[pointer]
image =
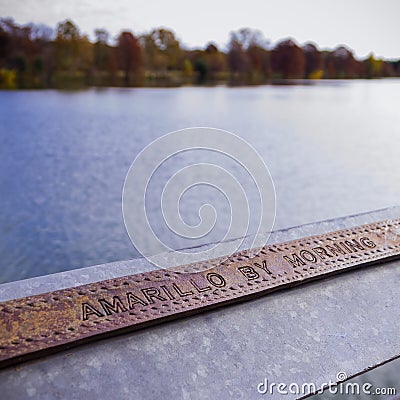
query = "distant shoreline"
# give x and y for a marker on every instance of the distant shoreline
(227, 84)
(36, 56)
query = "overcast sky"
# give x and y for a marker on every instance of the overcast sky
(363, 25)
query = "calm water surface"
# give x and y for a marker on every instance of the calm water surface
(332, 149)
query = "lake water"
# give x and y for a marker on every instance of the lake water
(332, 149)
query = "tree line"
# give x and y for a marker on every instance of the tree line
(37, 56)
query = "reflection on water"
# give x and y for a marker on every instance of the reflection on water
(332, 149)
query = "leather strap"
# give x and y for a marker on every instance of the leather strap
(40, 324)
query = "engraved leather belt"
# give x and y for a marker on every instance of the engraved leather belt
(41, 324)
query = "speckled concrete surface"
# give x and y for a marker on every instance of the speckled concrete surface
(307, 334)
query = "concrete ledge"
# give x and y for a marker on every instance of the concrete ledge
(348, 323)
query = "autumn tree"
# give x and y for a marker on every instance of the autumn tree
(395, 67)
(388, 69)
(8, 53)
(101, 49)
(208, 64)
(44, 60)
(287, 60)
(248, 55)
(238, 60)
(260, 62)
(153, 59)
(314, 63)
(105, 63)
(341, 63)
(130, 58)
(200, 63)
(162, 50)
(5, 42)
(215, 59)
(67, 46)
(23, 50)
(373, 67)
